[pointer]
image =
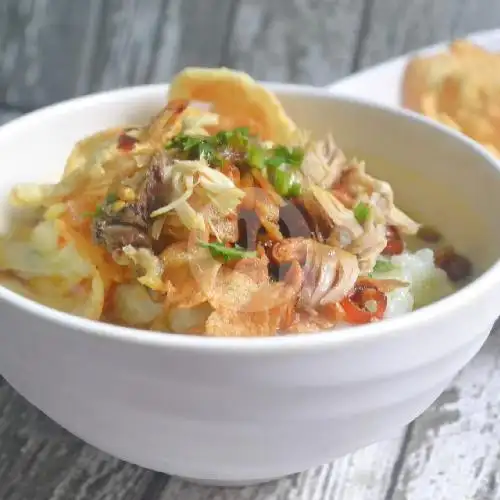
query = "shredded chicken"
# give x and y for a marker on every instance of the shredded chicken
(369, 244)
(329, 273)
(323, 163)
(340, 217)
(357, 182)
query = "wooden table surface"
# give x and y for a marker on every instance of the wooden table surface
(51, 50)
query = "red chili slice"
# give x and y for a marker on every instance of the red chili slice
(395, 244)
(126, 142)
(355, 304)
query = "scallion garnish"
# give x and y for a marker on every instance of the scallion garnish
(361, 212)
(219, 250)
(383, 266)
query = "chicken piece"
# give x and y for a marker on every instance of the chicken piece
(359, 184)
(323, 163)
(329, 273)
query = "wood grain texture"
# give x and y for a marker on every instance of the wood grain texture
(39, 460)
(55, 49)
(395, 27)
(44, 49)
(143, 42)
(364, 475)
(303, 41)
(454, 449)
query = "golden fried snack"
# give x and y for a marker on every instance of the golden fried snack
(460, 88)
(238, 100)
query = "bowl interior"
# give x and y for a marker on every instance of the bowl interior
(438, 177)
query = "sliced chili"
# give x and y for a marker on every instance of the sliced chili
(395, 244)
(126, 142)
(357, 304)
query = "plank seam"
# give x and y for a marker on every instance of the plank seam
(398, 464)
(157, 41)
(363, 29)
(156, 487)
(225, 59)
(90, 47)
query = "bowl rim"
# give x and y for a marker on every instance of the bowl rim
(390, 327)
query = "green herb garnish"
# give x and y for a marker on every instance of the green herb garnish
(111, 198)
(277, 163)
(361, 212)
(195, 147)
(256, 156)
(236, 138)
(295, 190)
(280, 162)
(282, 181)
(383, 266)
(280, 155)
(99, 209)
(227, 253)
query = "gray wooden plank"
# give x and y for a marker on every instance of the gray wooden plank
(41, 461)
(6, 115)
(363, 475)
(142, 42)
(454, 449)
(44, 45)
(396, 27)
(125, 45)
(303, 41)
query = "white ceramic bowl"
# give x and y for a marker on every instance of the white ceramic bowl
(247, 410)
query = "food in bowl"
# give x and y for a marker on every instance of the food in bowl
(221, 217)
(265, 407)
(459, 88)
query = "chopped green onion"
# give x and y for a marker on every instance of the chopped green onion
(282, 181)
(295, 190)
(222, 137)
(236, 138)
(274, 161)
(242, 131)
(227, 253)
(194, 146)
(281, 154)
(256, 157)
(277, 163)
(383, 266)
(111, 198)
(296, 157)
(99, 209)
(207, 151)
(361, 212)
